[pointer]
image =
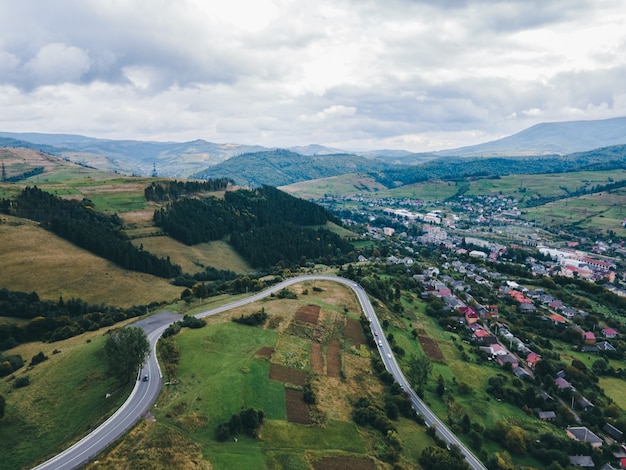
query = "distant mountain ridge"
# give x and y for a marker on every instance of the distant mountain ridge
(550, 138)
(184, 159)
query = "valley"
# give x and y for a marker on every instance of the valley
(529, 262)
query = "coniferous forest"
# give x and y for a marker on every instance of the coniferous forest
(172, 190)
(266, 226)
(77, 222)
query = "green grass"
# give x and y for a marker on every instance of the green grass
(64, 401)
(242, 455)
(414, 439)
(614, 389)
(219, 375)
(335, 435)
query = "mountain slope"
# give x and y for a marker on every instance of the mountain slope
(550, 138)
(282, 167)
(173, 159)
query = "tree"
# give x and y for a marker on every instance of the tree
(3, 405)
(126, 349)
(515, 441)
(419, 370)
(436, 458)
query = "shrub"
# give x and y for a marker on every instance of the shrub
(38, 359)
(21, 382)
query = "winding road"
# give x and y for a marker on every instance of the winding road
(145, 392)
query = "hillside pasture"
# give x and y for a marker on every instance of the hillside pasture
(63, 269)
(598, 212)
(544, 185)
(343, 185)
(65, 399)
(192, 259)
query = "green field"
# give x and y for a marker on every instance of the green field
(65, 400)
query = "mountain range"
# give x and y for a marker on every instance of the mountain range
(202, 159)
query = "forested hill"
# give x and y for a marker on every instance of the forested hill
(450, 168)
(282, 167)
(77, 222)
(265, 226)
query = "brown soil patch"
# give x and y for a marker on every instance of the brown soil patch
(265, 352)
(317, 358)
(333, 358)
(431, 348)
(354, 332)
(344, 463)
(287, 375)
(141, 218)
(308, 314)
(297, 409)
(126, 187)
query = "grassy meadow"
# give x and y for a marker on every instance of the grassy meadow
(34, 259)
(65, 399)
(221, 372)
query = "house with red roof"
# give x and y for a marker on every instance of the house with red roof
(610, 333)
(589, 337)
(471, 316)
(557, 319)
(532, 359)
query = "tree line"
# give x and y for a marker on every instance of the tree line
(54, 321)
(160, 191)
(77, 222)
(458, 169)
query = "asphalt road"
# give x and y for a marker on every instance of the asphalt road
(145, 392)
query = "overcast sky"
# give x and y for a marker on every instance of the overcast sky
(418, 75)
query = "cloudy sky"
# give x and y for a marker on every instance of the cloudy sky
(355, 74)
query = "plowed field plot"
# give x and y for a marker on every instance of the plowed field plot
(265, 352)
(308, 314)
(354, 332)
(431, 348)
(287, 375)
(317, 358)
(333, 358)
(297, 409)
(344, 463)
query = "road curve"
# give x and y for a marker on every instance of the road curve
(145, 393)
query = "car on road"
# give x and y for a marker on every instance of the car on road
(380, 343)
(145, 378)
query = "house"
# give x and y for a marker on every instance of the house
(522, 373)
(613, 432)
(557, 319)
(471, 316)
(610, 333)
(494, 350)
(584, 461)
(622, 462)
(546, 415)
(583, 403)
(589, 337)
(563, 384)
(507, 359)
(605, 346)
(492, 312)
(527, 307)
(582, 434)
(532, 359)
(481, 334)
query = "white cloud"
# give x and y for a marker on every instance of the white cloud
(57, 63)
(424, 74)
